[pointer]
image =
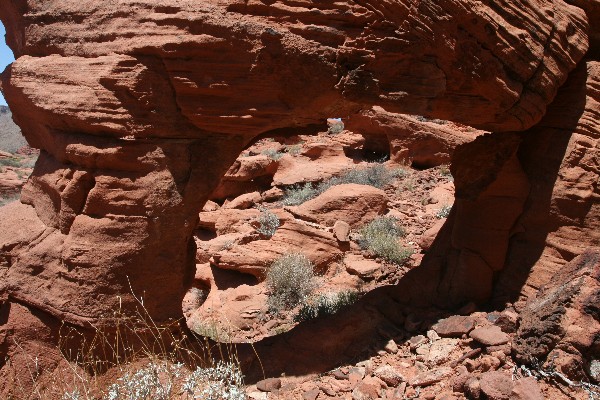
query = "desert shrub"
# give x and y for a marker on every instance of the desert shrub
(443, 212)
(299, 194)
(294, 149)
(157, 381)
(224, 381)
(376, 175)
(380, 237)
(326, 304)
(290, 279)
(212, 330)
(435, 120)
(10, 162)
(8, 199)
(268, 222)
(272, 154)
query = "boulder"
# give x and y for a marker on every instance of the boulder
(351, 203)
(292, 237)
(454, 326)
(489, 335)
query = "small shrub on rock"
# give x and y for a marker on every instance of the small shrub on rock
(273, 154)
(267, 221)
(380, 237)
(326, 304)
(299, 194)
(376, 175)
(290, 280)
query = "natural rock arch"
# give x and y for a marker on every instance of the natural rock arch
(139, 110)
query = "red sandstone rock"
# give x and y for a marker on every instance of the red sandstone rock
(292, 237)
(496, 385)
(526, 389)
(454, 326)
(341, 230)
(408, 140)
(560, 323)
(363, 267)
(137, 130)
(351, 203)
(490, 335)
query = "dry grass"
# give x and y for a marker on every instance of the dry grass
(130, 357)
(290, 279)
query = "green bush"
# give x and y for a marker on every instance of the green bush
(290, 280)
(376, 175)
(268, 222)
(326, 304)
(380, 237)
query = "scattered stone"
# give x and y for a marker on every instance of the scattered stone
(352, 203)
(432, 335)
(341, 231)
(472, 388)
(457, 382)
(357, 374)
(489, 363)
(430, 377)
(327, 389)
(368, 389)
(440, 351)
(490, 335)
(244, 201)
(311, 394)
(339, 374)
(269, 384)
(210, 206)
(454, 326)
(363, 267)
(417, 341)
(272, 194)
(257, 395)
(391, 347)
(496, 385)
(470, 354)
(526, 389)
(389, 375)
(503, 348)
(507, 320)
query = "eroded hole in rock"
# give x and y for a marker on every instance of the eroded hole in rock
(317, 204)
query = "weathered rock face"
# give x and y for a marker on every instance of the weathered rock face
(410, 140)
(561, 216)
(560, 326)
(140, 108)
(526, 205)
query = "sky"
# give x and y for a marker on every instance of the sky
(6, 57)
